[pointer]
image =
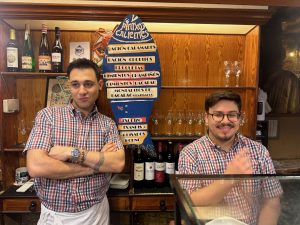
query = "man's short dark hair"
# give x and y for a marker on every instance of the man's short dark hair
(84, 63)
(214, 98)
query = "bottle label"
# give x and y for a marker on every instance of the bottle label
(56, 57)
(170, 168)
(12, 57)
(26, 62)
(44, 62)
(149, 170)
(138, 171)
(160, 166)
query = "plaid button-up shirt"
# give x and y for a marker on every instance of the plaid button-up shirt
(66, 126)
(245, 199)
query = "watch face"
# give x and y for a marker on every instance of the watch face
(75, 154)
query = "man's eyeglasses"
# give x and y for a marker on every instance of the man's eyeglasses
(232, 117)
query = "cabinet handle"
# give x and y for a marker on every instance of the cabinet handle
(32, 207)
(162, 205)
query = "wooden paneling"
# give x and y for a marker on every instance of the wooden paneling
(119, 203)
(197, 59)
(153, 203)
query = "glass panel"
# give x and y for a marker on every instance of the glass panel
(239, 200)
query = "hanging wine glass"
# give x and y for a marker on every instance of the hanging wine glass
(237, 68)
(227, 71)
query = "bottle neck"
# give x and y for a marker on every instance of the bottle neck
(12, 35)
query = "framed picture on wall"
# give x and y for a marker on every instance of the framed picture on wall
(58, 91)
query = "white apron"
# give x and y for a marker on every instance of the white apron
(96, 215)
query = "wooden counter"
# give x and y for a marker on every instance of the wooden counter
(287, 166)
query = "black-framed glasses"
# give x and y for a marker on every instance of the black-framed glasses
(232, 117)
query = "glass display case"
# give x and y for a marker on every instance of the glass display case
(236, 199)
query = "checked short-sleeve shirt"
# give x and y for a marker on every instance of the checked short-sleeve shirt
(205, 158)
(66, 126)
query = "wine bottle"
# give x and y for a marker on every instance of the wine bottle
(170, 162)
(138, 169)
(44, 52)
(149, 171)
(180, 147)
(28, 62)
(159, 172)
(12, 52)
(57, 53)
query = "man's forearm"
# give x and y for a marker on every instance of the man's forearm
(41, 165)
(112, 162)
(212, 194)
(270, 212)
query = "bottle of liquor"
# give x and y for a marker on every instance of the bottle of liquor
(12, 52)
(138, 168)
(159, 172)
(57, 53)
(149, 170)
(28, 62)
(180, 147)
(170, 162)
(44, 52)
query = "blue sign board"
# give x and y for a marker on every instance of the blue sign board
(132, 77)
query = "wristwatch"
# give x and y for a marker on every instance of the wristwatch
(75, 155)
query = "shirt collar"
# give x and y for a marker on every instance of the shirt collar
(76, 112)
(237, 140)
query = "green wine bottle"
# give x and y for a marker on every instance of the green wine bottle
(28, 63)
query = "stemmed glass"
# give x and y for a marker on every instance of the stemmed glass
(199, 123)
(243, 118)
(169, 123)
(155, 124)
(227, 71)
(23, 132)
(179, 123)
(189, 130)
(237, 68)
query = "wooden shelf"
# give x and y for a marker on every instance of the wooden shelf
(32, 74)
(206, 87)
(16, 148)
(175, 138)
(270, 115)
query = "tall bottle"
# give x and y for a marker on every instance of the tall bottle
(12, 55)
(57, 53)
(170, 162)
(179, 149)
(44, 52)
(27, 59)
(149, 170)
(159, 172)
(138, 169)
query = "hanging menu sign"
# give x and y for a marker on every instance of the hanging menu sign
(132, 77)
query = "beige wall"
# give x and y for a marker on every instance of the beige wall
(287, 145)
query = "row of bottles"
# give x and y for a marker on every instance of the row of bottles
(154, 171)
(48, 61)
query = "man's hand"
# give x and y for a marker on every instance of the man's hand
(62, 153)
(241, 164)
(109, 147)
